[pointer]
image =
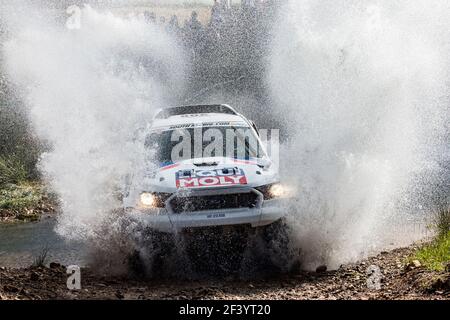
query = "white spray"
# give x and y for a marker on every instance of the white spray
(363, 86)
(89, 91)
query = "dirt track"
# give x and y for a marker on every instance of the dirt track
(399, 281)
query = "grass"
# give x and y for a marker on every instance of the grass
(12, 170)
(41, 258)
(19, 197)
(441, 221)
(436, 255)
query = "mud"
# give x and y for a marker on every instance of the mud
(399, 280)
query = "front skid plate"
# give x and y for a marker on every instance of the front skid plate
(270, 212)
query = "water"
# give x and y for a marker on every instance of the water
(89, 92)
(363, 88)
(21, 243)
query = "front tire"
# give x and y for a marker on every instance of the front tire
(272, 250)
(151, 255)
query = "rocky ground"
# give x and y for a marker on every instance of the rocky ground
(400, 280)
(27, 214)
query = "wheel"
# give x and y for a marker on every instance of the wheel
(272, 250)
(153, 252)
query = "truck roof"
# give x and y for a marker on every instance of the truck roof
(192, 109)
(199, 119)
(198, 115)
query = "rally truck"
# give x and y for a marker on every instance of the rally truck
(210, 175)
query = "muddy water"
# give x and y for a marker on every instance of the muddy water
(21, 243)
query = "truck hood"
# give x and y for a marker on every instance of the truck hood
(215, 172)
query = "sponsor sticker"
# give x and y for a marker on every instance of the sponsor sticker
(214, 124)
(210, 178)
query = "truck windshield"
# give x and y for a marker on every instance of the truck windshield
(171, 146)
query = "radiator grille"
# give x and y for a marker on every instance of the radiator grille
(214, 202)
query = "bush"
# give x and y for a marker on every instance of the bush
(436, 255)
(12, 170)
(442, 220)
(19, 149)
(19, 197)
(41, 258)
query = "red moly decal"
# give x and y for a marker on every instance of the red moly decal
(210, 178)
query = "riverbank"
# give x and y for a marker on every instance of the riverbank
(26, 202)
(399, 279)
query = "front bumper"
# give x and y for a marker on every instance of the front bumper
(164, 220)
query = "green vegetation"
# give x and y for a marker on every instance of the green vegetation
(12, 170)
(18, 197)
(442, 221)
(21, 194)
(19, 150)
(436, 255)
(41, 258)
(24, 201)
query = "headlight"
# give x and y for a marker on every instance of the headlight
(273, 191)
(153, 200)
(147, 199)
(277, 190)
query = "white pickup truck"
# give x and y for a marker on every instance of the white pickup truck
(233, 186)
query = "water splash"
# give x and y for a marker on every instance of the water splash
(89, 91)
(363, 88)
